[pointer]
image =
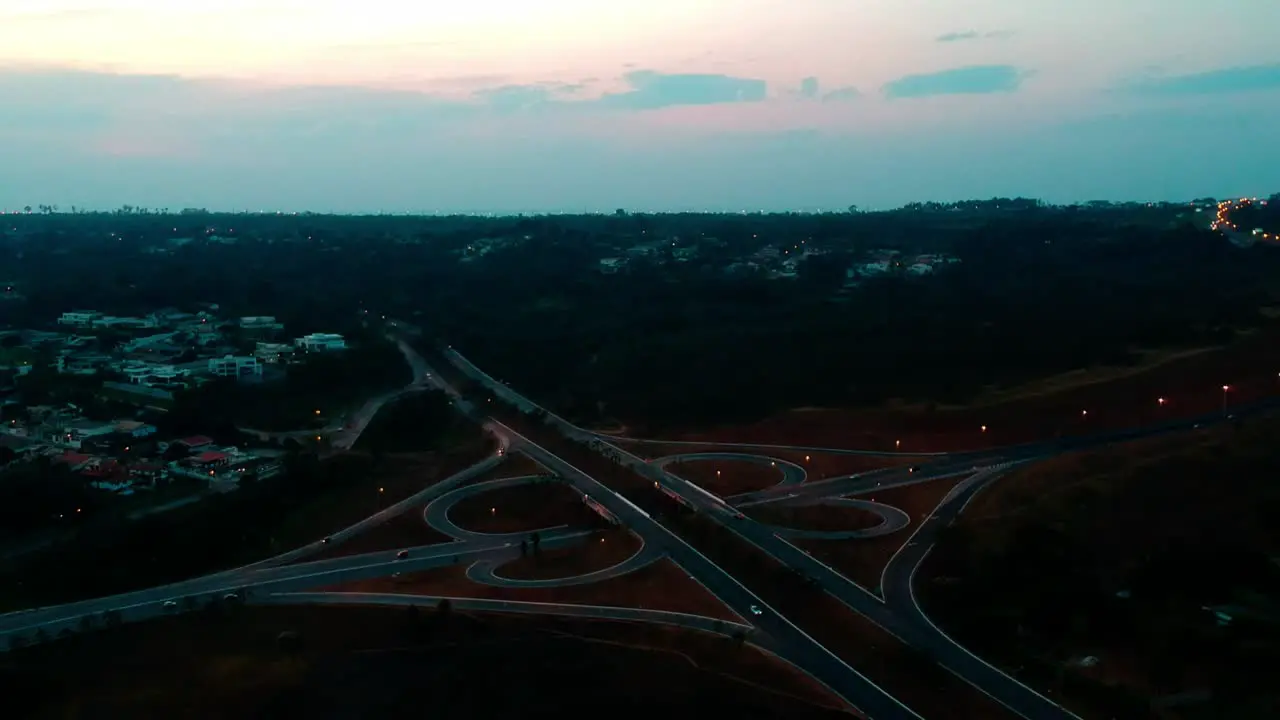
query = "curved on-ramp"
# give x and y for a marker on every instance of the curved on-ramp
(892, 519)
(792, 474)
(602, 612)
(485, 571)
(436, 514)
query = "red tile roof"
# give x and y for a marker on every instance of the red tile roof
(72, 458)
(196, 441)
(210, 456)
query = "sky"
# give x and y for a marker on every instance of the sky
(648, 105)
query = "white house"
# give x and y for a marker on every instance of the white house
(272, 352)
(233, 366)
(321, 342)
(78, 318)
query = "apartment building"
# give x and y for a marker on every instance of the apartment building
(321, 342)
(235, 366)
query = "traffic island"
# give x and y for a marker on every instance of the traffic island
(863, 560)
(662, 585)
(598, 553)
(819, 518)
(522, 508)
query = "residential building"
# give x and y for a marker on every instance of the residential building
(78, 318)
(138, 394)
(235, 366)
(260, 322)
(108, 321)
(321, 342)
(210, 460)
(612, 265)
(148, 474)
(147, 342)
(195, 441)
(135, 428)
(269, 352)
(140, 373)
(75, 432)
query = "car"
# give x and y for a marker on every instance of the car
(169, 605)
(402, 554)
(755, 610)
(326, 539)
(231, 597)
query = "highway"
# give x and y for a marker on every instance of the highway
(148, 603)
(596, 612)
(901, 622)
(796, 646)
(275, 581)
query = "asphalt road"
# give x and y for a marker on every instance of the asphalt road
(596, 612)
(792, 474)
(794, 644)
(484, 571)
(906, 626)
(892, 520)
(436, 514)
(149, 603)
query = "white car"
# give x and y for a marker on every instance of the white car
(755, 610)
(169, 605)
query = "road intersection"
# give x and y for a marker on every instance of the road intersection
(291, 579)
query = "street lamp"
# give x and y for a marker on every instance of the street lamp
(1084, 413)
(1160, 401)
(1225, 389)
(897, 444)
(984, 428)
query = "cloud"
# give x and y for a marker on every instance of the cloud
(843, 94)
(971, 80)
(651, 90)
(515, 98)
(973, 35)
(1214, 82)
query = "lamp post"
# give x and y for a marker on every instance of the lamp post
(1226, 389)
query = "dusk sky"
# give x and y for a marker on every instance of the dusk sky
(584, 105)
